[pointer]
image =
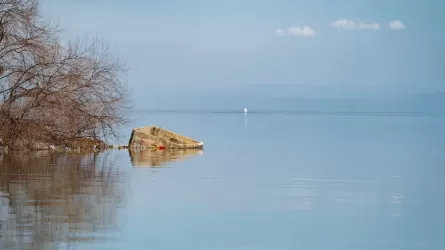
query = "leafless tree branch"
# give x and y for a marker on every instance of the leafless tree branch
(54, 93)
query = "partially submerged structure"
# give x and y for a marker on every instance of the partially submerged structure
(156, 137)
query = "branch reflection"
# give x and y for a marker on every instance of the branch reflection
(48, 199)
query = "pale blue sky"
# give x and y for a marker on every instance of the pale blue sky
(213, 46)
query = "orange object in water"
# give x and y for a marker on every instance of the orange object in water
(161, 147)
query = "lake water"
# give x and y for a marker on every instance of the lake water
(265, 181)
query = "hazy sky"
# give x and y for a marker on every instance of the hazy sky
(319, 47)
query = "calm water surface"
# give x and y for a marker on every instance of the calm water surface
(264, 181)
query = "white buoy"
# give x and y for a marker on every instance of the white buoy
(245, 110)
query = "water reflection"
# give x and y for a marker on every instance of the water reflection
(49, 199)
(159, 158)
(341, 197)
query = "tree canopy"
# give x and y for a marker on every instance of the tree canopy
(50, 92)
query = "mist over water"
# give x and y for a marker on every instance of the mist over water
(197, 100)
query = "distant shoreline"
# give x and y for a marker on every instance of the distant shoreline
(290, 112)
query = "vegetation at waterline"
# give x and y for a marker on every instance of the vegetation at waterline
(51, 93)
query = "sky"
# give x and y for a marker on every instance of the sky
(279, 48)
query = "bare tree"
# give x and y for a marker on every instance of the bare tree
(21, 37)
(52, 93)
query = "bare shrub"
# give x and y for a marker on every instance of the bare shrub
(53, 93)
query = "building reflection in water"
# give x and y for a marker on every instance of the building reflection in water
(159, 158)
(52, 199)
